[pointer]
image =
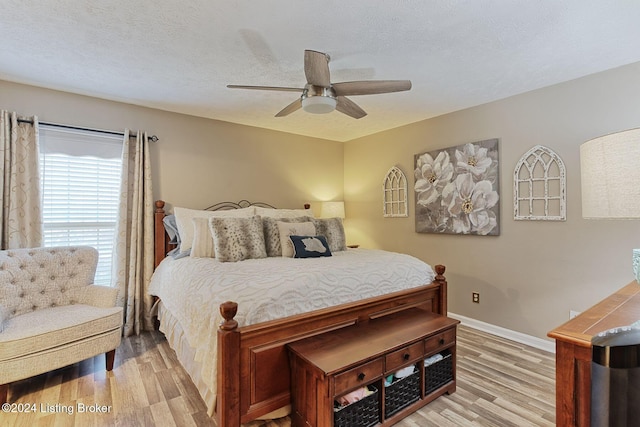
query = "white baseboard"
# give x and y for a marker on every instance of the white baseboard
(519, 337)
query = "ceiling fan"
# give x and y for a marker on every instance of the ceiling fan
(319, 95)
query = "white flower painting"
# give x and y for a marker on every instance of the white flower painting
(457, 190)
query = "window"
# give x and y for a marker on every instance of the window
(80, 179)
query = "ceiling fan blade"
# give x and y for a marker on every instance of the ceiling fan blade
(350, 108)
(294, 106)
(316, 68)
(371, 87)
(287, 89)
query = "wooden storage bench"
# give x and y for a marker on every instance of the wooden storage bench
(328, 366)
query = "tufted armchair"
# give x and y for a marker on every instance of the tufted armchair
(51, 315)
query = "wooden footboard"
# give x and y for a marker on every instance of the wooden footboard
(253, 366)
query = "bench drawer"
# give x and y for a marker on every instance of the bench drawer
(358, 376)
(443, 339)
(401, 357)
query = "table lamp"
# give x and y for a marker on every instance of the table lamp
(332, 210)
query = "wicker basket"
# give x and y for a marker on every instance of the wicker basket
(438, 374)
(401, 393)
(363, 413)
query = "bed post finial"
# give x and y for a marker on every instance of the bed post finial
(228, 311)
(443, 288)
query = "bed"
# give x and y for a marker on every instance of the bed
(233, 342)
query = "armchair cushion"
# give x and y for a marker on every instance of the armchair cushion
(42, 330)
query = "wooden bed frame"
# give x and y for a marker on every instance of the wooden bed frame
(253, 366)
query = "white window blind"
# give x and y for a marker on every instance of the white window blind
(80, 178)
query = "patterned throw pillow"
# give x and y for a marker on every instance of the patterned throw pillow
(272, 233)
(310, 246)
(293, 228)
(333, 230)
(237, 239)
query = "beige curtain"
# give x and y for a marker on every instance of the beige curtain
(133, 263)
(20, 210)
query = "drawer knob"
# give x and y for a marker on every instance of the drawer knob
(406, 356)
(441, 341)
(361, 376)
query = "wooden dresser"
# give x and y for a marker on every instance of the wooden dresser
(327, 366)
(574, 353)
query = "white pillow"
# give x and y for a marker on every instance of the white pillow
(293, 228)
(202, 246)
(184, 222)
(282, 213)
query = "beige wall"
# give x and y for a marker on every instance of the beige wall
(199, 162)
(535, 272)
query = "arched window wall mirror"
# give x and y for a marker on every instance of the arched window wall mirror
(539, 186)
(394, 189)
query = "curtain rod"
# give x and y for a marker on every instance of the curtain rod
(152, 138)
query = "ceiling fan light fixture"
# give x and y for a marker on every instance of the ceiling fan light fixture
(320, 96)
(318, 104)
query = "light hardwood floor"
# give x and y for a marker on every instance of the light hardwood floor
(500, 383)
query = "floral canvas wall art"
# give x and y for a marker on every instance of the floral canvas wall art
(457, 190)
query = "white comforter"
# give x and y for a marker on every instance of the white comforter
(192, 289)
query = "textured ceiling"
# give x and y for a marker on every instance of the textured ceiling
(180, 55)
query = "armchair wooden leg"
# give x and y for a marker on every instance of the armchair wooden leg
(4, 391)
(111, 357)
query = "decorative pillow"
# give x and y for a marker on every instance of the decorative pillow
(202, 245)
(272, 233)
(237, 239)
(293, 228)
(310, 246)
(171, 228)
(185, 225)
(176, 254)
(283, 213)
(333, 230)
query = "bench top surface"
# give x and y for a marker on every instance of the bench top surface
(339, 349)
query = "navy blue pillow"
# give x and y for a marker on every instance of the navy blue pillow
(310, 246)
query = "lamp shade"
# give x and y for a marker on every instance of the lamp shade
(332, 210)
(610, 174)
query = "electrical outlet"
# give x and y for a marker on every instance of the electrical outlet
(475, 297)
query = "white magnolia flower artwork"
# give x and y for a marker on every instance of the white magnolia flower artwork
(457, 190)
